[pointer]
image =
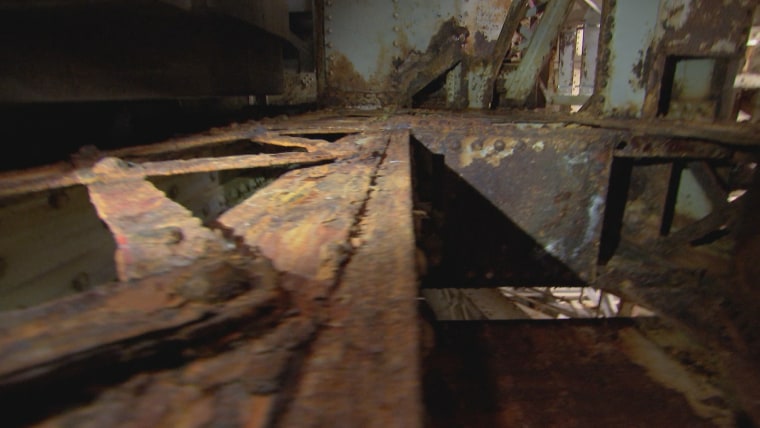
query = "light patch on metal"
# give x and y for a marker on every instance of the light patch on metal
(489, 149)
(677, 13)
(723, 46)
(594, 217)
(494, 149)
(556, 248)
(634, 30)
(363, 141)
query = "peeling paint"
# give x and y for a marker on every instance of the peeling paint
(490, 149)
(677, 13)
(725, 46)
(494, 149)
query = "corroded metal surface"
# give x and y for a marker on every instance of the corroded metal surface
(642, 43)
(550, 180)
(237, 324)
(265, 315)
(153, 234)
(578, 373)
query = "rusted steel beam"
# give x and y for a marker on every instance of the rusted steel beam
(46, 179)
(668, 147)
(153, 234)
(515, 14)
(303, 221)
(519, 83)
(147, 355)
(735, 134)
(226, 163)
(723, 217)
(372, 328)
(117, 328)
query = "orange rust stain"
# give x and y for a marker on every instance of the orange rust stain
(258, 411)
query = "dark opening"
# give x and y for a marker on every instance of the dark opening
(209, 195)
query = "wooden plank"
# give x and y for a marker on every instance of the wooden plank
(363, 368)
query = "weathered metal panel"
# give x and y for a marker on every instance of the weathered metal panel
(590, 49)
(551, 180)
(380, 53)
(629, 28)
(685, 29)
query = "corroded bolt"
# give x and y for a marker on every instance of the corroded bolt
(499, 145)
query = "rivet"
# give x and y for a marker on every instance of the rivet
(329, 31)
(477, 144)
(329, 46)
(329, 17)
(395, 15)
(396, 29)
(499, 145)
(395, 43)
